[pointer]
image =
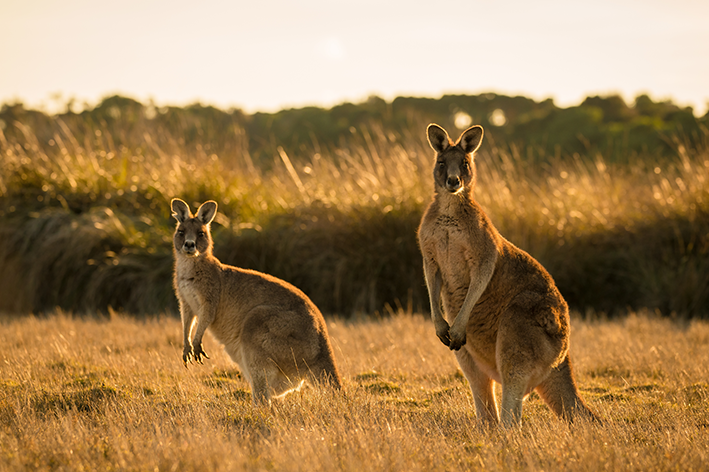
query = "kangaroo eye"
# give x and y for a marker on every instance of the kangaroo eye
(181, 232)
(200, 234)
(465, 165)
(441, 164)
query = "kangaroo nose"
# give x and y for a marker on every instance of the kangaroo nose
(453, 183)
(189, 245)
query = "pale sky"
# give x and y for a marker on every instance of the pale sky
(264, 55)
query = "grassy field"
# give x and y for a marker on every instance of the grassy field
(112, 394)
(85, 227)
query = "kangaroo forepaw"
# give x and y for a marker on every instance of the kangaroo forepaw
(444, 336)
(456, 342)
(187, 355)
(199, 354)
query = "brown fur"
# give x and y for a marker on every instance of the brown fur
(268, 327)
(508, 322)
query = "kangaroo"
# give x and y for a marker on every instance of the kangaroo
(268, 327)
(508, 322)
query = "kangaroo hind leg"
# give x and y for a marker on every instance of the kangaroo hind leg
(270, 382)
(482, 387)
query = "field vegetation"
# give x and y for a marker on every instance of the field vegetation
(85, 220)
(613, 199)
(112, 394)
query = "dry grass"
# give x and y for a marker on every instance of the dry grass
(107, 394)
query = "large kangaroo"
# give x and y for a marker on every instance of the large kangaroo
(508, 321)
(268, 327)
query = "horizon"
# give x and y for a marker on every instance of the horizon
(321, 53)
(78, 108)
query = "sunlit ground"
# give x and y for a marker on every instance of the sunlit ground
(108, 393)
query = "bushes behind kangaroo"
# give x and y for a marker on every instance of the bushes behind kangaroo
(86, 231)
(360, 261)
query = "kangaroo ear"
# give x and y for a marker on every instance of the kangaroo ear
(471, 139)
(180, 210)
(438, 138)
(207, 211)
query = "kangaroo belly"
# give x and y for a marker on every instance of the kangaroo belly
(189, 295)
(453, 297)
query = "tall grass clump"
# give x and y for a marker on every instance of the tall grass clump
(86, 222)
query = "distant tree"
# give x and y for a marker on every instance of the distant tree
(613, 107)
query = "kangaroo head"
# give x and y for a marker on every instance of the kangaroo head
(455, 164)
(192, 236)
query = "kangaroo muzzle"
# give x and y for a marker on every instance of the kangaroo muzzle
(453, 183)
(190, 247)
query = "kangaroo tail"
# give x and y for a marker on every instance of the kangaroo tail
(324, 368)
(560, 393)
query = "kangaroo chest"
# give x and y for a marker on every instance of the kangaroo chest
(450, 246)
(187, 280)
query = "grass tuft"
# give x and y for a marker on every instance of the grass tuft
(382, 387)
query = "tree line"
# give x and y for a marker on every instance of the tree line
(600, 125)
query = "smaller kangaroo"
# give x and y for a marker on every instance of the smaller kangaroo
(268, 327)
(508, 322)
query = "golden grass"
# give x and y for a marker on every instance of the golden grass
(112, 394)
